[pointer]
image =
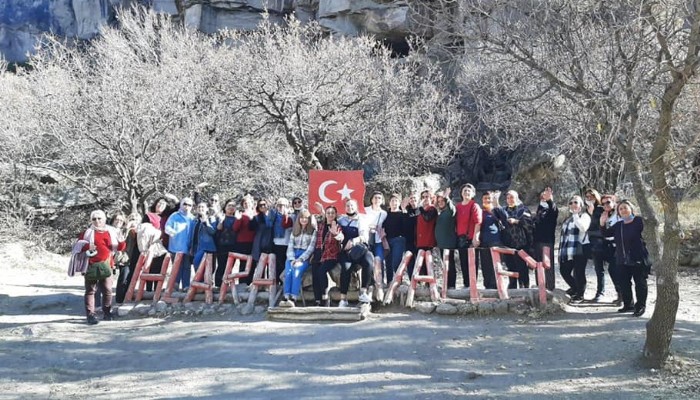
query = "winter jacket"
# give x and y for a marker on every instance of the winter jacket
(425, 227)
(546, 223)
(446, 227)
(179, 228)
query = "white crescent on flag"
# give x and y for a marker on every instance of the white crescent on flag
(322, 191)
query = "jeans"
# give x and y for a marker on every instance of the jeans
(293, 275)
(577, 280)
(549, 275)
(184, 275)
(397, 246)
(599, 267)
(123, 282)
(320, 277)
(106, 288)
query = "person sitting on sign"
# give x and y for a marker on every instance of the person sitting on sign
(329, 236)
(375, 217)
(356, 233)
(299, 251)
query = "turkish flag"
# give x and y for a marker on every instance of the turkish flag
(332, 188)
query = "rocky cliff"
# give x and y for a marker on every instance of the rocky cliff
(23, 21)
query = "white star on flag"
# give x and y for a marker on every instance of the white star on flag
(345, 192)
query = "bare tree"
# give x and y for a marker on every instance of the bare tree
(621, 66)
(338, 102)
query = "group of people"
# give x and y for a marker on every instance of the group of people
(597, 228)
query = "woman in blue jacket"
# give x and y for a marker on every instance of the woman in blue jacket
(203, 231)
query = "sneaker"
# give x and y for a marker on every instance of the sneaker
(576, 300)
(343, 304)
(365, 298)
(284, 303)
(108, 317)
(92, 320)
(597, 297)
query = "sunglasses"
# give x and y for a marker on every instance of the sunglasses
(188, 205)
(607, 203)
(262, 205)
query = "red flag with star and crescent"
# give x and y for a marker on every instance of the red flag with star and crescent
(332, 188)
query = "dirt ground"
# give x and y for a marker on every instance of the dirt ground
(48, 351)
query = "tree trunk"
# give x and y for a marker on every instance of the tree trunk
(660, 326)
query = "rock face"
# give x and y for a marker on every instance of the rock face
(23, 21)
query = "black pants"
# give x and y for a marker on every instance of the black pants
(221, 261)
(639, 273)
(452, 272)
(606, 256)
(411, 263)
(549, 275)
(156, 263)
(247, 249)
(517, 264)
(280, 259)
(126, 272)
(484, 256)
(574, 273)
(319, 272)
(464, 261)
(347, 266)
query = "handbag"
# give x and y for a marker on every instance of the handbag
(98, 271)
(358, 252)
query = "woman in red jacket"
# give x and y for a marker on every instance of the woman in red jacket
(102, 242)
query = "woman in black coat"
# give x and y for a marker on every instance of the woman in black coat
(631, 255)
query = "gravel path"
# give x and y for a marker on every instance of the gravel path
(47, 350)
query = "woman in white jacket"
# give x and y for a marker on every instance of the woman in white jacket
(572, 257)
(299, 251)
